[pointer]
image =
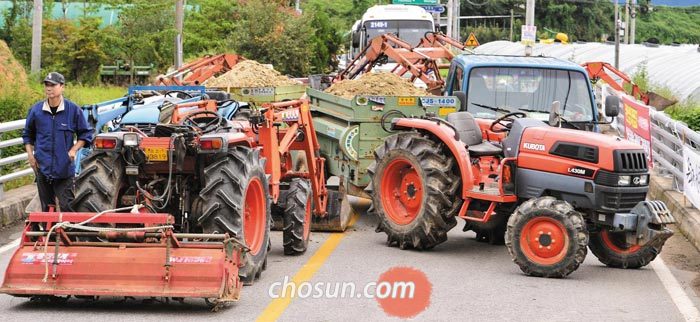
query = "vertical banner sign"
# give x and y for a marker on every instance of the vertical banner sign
(691, 176)
(637, 125)
(528, 35)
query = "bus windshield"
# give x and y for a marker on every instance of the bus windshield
(494, 90)
(410, 31)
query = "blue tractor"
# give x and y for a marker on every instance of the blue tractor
(146, 106)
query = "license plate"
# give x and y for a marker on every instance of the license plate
(157, 154)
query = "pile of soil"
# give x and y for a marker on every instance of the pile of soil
(249, 73)
(12, 74)
(379, 84)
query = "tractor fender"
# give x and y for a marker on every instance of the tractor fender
(447, 136)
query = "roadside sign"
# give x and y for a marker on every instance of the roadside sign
(528, 35)
(417, 2)
(471, 41)
(434, 9)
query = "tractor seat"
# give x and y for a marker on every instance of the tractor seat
(469, 133)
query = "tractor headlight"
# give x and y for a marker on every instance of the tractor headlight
(623, 180)
(643, 179)
(131, 139)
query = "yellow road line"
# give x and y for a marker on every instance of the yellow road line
(275, 309)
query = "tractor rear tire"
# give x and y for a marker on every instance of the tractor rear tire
(235, 201)
(546, 237)
(297, 217)
(414, 191)
(98, 185)
(611, 250)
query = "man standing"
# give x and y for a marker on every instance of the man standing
(49, 133)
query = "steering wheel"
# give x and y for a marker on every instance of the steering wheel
(505, 127)
(207, 127)
(186, 94)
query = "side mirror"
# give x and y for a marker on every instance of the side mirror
(462, 96)
(612, 106)
(355, 39)
(554, 116)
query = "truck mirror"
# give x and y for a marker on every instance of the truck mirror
(554, 116)
(462, 96)
(612, 106)
(355, 39)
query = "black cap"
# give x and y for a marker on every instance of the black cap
(54, 78)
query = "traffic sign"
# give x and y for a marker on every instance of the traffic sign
(417, 2)
(471, 41)
(434, 9)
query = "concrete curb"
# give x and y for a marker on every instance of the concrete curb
(16, 200)
(687, 217)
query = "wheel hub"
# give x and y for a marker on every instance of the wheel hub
(401, 191)
(544, 240)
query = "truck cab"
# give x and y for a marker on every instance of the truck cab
(497, 85)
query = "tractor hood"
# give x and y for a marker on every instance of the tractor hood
(146, 114)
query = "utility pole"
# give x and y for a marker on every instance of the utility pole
(617, 35)
(530, 13)
(179, 22)
(36, 35)
(450, 18)
(633, 22)
(627, 21)
(529, 21)
(511, 25)
(455, 24)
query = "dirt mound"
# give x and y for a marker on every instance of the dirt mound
(250, 73)
(12, 74)
(381, 84)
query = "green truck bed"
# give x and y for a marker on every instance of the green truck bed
(350, 129)
(260, 95)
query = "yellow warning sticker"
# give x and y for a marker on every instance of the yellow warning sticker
(444, 111)
(407, 101)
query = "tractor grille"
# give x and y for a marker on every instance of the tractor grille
(630, 161)
(622, 201)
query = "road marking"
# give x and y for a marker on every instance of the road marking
(275, 309)
(11, 245)
(675, 290)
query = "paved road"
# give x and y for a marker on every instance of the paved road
(471, 281)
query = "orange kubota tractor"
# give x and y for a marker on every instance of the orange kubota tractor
(201, 189)
(558, 191)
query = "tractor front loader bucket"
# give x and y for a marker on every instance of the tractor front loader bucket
(339, 211)
(121, 254)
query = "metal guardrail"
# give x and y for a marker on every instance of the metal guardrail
(668, 138)
(6, 127)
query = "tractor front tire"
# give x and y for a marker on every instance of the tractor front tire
(414, 191)
(611, 249)
(297, 217)
(235, 201)
(546, 237)
(98, 185)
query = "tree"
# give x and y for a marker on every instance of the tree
(86, 54)
(148, 28)
(207, 26)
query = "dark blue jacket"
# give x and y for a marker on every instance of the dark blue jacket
(53, 135)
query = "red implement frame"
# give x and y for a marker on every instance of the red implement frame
(287, 127)
(200, 70)
(155, 263)
(421, 61)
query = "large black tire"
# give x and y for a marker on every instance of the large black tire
(99, 182)
(227, 182)
(612, 250)
(435, 171)
(297, 217)
(556, 233)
